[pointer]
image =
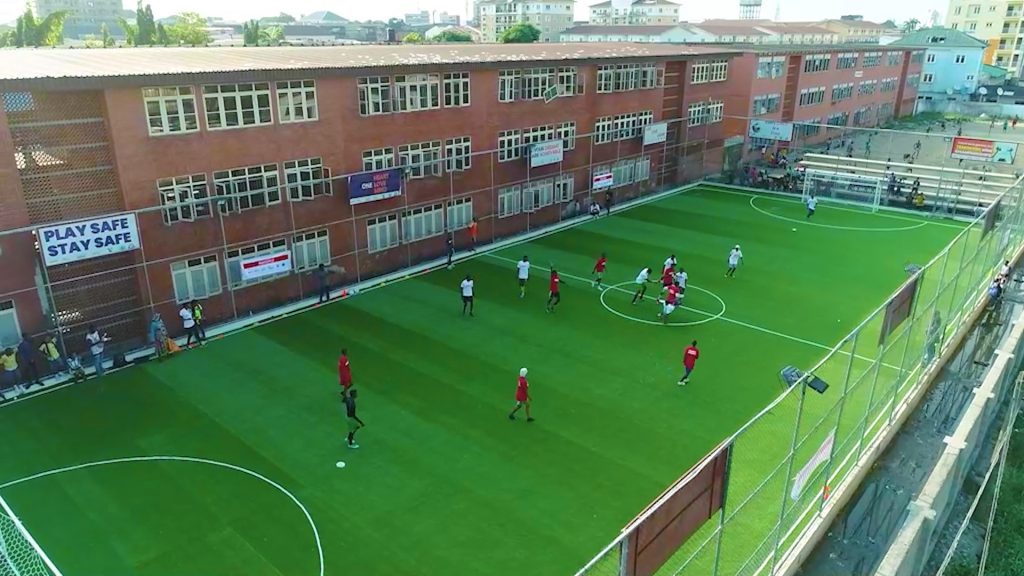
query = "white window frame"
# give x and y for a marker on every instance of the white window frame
(604, 130)
(538, 194)
(960, 59)
(719, 70)
(422, 222)
(382, 233)
(536, 135)
(700, 72)
(568, 81)
(227, 104)
(508, 85)
(378, 159)
(186, 275)
(459, 213)
(296, 101)
(642, 170)
(510, 201)
(605, 79)
(179, 194)
(9, 309)
(567, 132)
(234, 257)
(420, 159)
(565, 187)
(306, 179)
(311, 249)
(416, 92)
(767, 104)
(537, 81)
(227, 183)
(510, 145)
(817, 63)
(695, 114)
(715, 111)
(456, 89)
(622, 172)
(374, 95)
(458, 154)
(175, 111)
(927, 78)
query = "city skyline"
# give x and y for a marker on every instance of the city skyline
(237, 10)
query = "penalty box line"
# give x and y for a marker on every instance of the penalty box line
(724, 318)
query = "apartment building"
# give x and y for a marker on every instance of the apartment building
(635, 13)
(550, 17)
(995, 21)
(364, 157)
(952, 64)
(84, 16)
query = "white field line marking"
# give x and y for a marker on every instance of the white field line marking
(807, 221)
(724, 318)
(708, 317)
(257, 475)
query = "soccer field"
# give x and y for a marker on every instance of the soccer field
(222, 460)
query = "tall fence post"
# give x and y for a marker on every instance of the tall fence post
(721, 514)
(839, 417)
(906, 346)
(789, 472)
(871, 400)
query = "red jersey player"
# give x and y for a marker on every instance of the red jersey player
(670, 301)
(668, 277)
(344, 372)
(554, 293)
(599, 267)
(690, 356)
(522, 396)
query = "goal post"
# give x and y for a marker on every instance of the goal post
(851, 188)
(20, 554)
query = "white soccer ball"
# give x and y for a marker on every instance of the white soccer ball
(340, 464)
(794, 229)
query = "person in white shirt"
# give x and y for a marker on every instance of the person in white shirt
(523, 273)
(1005, 270)
(681, 278)
(670, 262)
(467, 295)
(812, 203)
(735, 257)
(188, 322)
(96, 342)
(642, 279)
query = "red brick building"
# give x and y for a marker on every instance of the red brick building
(223, 154)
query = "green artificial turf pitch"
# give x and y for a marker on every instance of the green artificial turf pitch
(444, 483)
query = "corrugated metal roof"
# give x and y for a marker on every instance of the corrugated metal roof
(68, 64)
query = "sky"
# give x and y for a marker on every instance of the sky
(692, 10)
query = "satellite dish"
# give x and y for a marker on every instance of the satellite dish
(999, 91)
(982, 90)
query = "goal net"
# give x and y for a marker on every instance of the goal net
(846, 187)
(20, 555)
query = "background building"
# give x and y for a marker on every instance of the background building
(551, 17)
(636, 12)
(421, 18)
(992, 20)
(952, 65)
(84, 16)
(677, 33)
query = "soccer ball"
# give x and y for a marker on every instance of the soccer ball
(353, 291)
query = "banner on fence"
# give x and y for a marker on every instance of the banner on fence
(821, 456)
(655, 133)
(87, 239)
(768, 130)
(266, 265)
(982, 150)
(604, 180)
(544, 153)
(372, 186)
(898, 309)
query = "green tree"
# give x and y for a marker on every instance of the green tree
(105, 36)
(281, 18)
(146, 25)
(271, 36)
(911, 25)
(46, 32)
(131, 31)
(189, 30)
(7, 37)
(521, 33)
(412, 38)
(251, 33)
(162, 38)
(453, 36)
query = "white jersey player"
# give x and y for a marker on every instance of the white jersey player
(735, 259)
(523, 273)
(641, 284)
(681, 278)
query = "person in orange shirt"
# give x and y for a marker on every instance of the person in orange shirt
(472, 234)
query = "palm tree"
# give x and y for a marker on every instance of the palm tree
(46, 32)
(271, 36)
(911, 25)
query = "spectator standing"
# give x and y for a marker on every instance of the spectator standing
(197, 315)
(450, 248)
(609, 199)
(51, 353)
(10, 378)
(27, 361)
(473, 227)
(158, 335)
(188, 322)
(97, 342)
(323, 280)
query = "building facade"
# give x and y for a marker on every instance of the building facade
(678, 33)
(998, 21)
(551, 17)
(222, 158)
(635, 13)
(952, 63)
(84, 16)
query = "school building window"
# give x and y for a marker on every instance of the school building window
(510, 201)
(538, 194)
(170, 110)
(564, 187)
(810, 128)
(374, 95)
(460, 213)
(458, 154)
(456, 89)
(246, 188)
(706, 112)
(508, 85)
(812, 96)
(770, 66)
(817, 62)
(536, 82)
(382, 233)
(296, 101)
(237, 105)
(704, 71)
(185, 198)
(867, 88)
(846, 61)
(872, 59)
(510, 145)
(425, 222)
(196, 278)
(842, 92)
(307, 179)
(569, 83)
(567, 132)
(767, 104)
(420, 160)
(895, 58)
(604, 129)
(233, 262)
(536, 135)
(311, 249)
(378, 159)
(10, 332)
(417, 92)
